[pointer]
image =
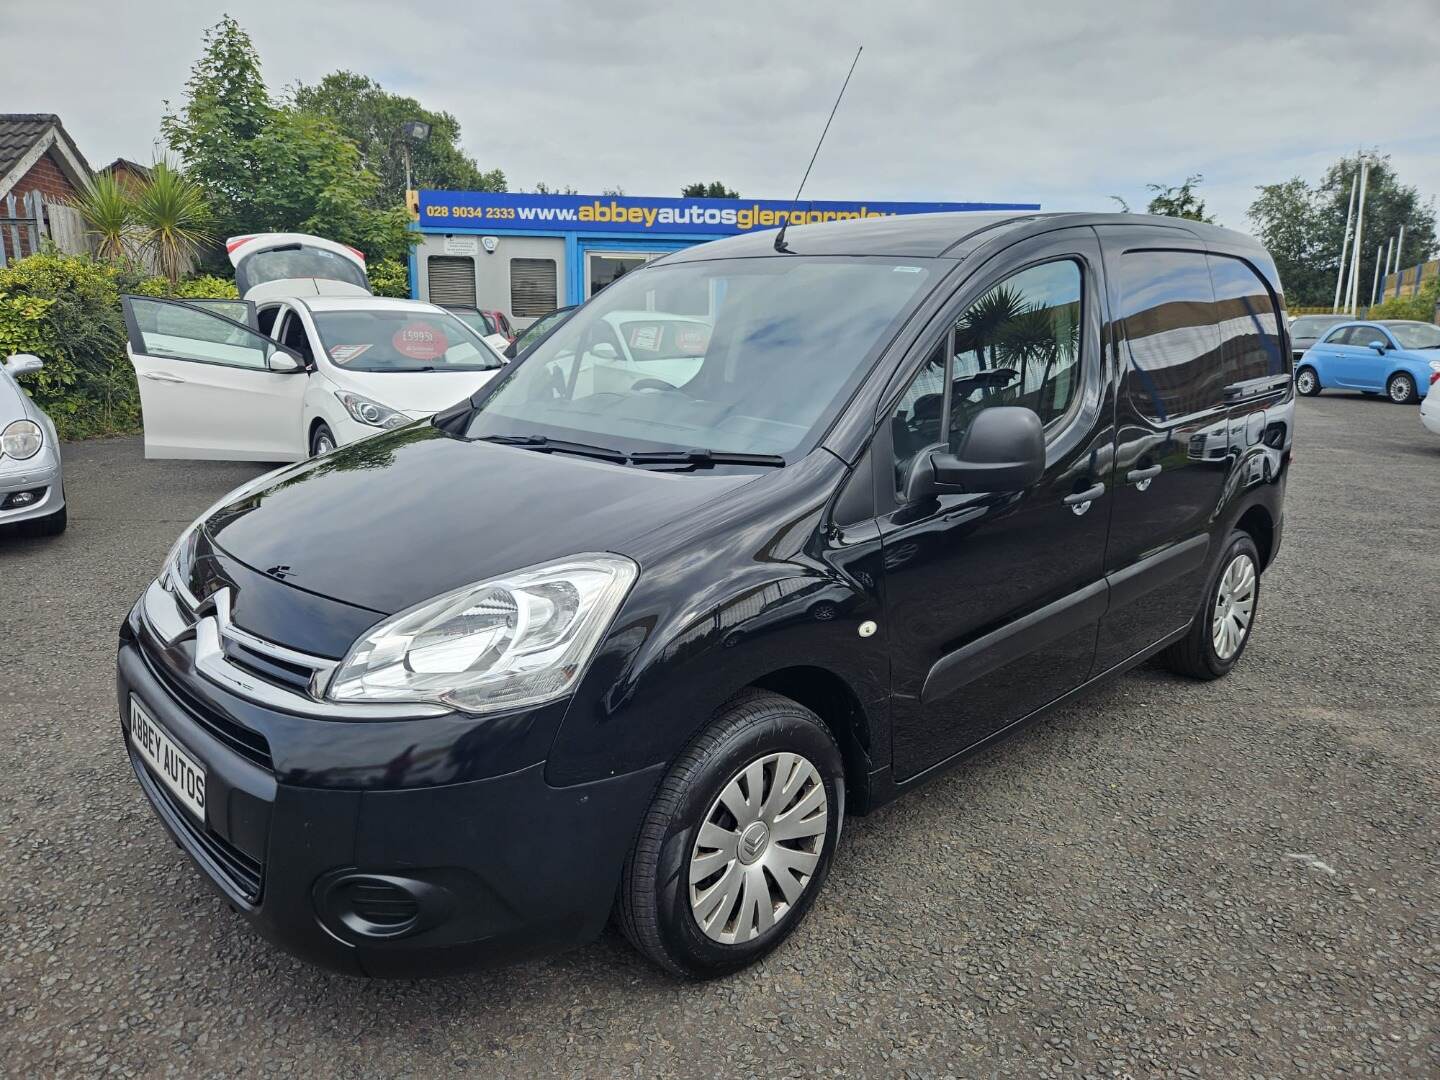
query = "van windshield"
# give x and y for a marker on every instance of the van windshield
(751, 356)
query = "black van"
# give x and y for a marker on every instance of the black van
(754, 540)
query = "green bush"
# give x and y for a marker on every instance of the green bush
(1419, 306)
(66, 310)
(389, 277)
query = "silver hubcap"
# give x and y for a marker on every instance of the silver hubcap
(758, 848)
(1234, 607)
(1399, 391)
(1307, 382)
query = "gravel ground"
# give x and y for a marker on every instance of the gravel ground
(1167, 879)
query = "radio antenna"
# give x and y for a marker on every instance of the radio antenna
(780, 236)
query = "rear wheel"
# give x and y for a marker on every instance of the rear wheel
(1401, 389)
(1307, 382)
(322, 440)
(1221, 629)
(738, 840)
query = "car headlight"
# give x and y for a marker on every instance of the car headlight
(505, 643)
(21, 440)
(371, 413)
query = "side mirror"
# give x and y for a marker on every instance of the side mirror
(510, 352)
(1003, 451)
(1378, 346)
(605, 351)
(23, 364)
(283, 361)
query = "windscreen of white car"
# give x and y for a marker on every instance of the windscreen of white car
(380, 340)
(1415, 335)
(748, 356)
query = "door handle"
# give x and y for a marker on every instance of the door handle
(160, 376)
(1081, 500)
(1141, 477)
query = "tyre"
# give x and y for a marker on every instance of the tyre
(1307, 382)
(322, 440)
(738, 840)
(1221, 630)
(1401, 389)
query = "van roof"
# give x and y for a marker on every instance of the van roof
(949, 235)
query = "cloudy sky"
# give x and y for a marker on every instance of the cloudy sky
(1060, 103)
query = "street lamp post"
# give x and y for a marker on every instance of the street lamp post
(412, 131)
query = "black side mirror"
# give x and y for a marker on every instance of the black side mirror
(1378, 346)
(510, 352)
(1003, 451)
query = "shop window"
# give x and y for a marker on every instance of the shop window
(533, 287)
(452, 280)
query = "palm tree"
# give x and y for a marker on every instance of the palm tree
(109, 212)
(174, 219)
(984, 318)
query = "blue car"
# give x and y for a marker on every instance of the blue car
(1395, 357)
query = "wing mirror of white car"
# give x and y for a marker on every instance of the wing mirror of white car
(23, 363)
(284, 362)
(605, 351)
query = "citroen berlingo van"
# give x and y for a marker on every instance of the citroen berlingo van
(764, 536)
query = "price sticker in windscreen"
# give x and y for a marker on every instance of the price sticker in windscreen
(419, 341)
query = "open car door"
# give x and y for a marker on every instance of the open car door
(211, 386)
(271, 265)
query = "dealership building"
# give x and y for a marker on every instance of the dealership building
(527, 254)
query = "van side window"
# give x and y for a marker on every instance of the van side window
(1166, 307)
(1249, 324)
(1018, 344)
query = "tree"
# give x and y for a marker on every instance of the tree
(542, 188)
(1304, 227)
(173, 219)
(109, 213)
(370, 116)
(268, 167)
(1179, 200)
(713, 190)
(226, 108)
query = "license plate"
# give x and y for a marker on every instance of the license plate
(169, 764)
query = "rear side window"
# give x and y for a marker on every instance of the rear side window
(1166, 309)
(1248, 322)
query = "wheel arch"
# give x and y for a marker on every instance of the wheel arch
(1260, 526)
(840, 709)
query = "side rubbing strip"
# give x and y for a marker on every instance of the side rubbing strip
(1019, 638)
(1137, 579)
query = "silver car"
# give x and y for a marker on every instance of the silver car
(32, 489)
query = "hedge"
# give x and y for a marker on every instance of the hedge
(66, 310)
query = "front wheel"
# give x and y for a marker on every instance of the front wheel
(738, 840)
(322, 440)
(1307, 382)
(1401, 389)
(1221, 629)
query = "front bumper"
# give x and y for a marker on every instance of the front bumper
(41, 472)
(497, 868)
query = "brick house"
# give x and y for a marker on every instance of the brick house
(37, 155)
(129, 174)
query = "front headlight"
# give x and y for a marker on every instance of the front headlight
(371, 413)
(506, 643)
(21, 440)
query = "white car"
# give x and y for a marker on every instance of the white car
(306, 361)
(1430, 405)
(32, 488)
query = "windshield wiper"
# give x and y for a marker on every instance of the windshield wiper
(704, 459)
(560, 446)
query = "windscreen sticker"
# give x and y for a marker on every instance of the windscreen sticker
(692, 340)
(419, 341)
(343, 354)
(645, 338)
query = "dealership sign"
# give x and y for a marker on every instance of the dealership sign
(484, 211)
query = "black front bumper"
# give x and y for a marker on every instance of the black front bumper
(502, 867)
